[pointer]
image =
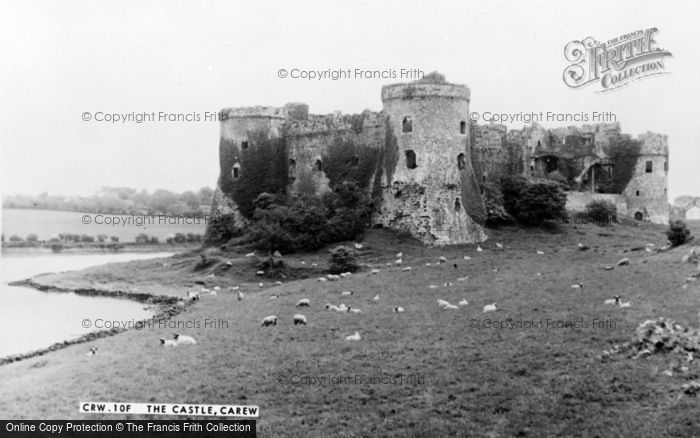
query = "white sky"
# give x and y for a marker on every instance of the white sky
(60, 59)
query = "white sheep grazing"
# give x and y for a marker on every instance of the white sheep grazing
(92, 352)
(450, 307)
(346, 293)
(260, 273)
(344, 274)
(229, 263)
(374, 271)
(577, 286)
(269, 320)
(322, 279)
(180, 304)
(343, 308)
(399, 255)
(239, 296)
(299, 319)
(168, 343)
(278, 283)
(261, 285)
(355, 337)
(250, 254)
(490, 308)
(332, 277)
(194, 296)
(332, 308)
(204, 290)
(467, 258)
(499, 246)
(358, 246)
(304, 302)
(478, 248)
(376, 298)
(625, 304)
(447, 284)
(463, 302)
(399, 262)
(216, 288)
(433, 286)
(351, 310)
(182, 339)
(388, 264)
(234, 287)
(398, 309)
(613, 301)
(212, 292)
(623, 262)
(406, 269)
(314, 264)
(540, 252)
(428, 264)
(442, 259)
(463, 278)
(442, 303)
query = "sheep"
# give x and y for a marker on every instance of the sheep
(463, 278)
(433, 286)
(343, 308)
(398, 309)
(229, 263)
(540, 252)
(212, 292)
(399, 262)
(276, 254)
(376, 298)
(499, 246)
(332, 277)
(216, 288)
(182, 339)
(92, 352)
(577, 286)
(322, 279)
(625, 304)
(467, 258)
(168, 343)
(607, 268)
(442, 303)
(234, 287)
(490, 308)
(623, 262)
(582, 247)
(388, 264)
(269, 320)
(428, 264)
(260, 273)
(406, 269)
(495, 269)
(302, 262)
(332, 308)
(204, 290)
(399, 255)
(314, 265)
(345, 274)
(358, 246)
(539, 274)
(261, 285)
(478, 248)
(304, 302)
(351, 310)
(250, 254)
(450, 307)
(239, 296)
(180, 303)
(447, 284)
(615, 300)
(299, 319)
(374, 271)
(442, 259)
(274, 297)
(278, 283)
(346, 293)
(355, 337)
(463, 302)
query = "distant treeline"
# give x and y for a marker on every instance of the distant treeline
(120, 200)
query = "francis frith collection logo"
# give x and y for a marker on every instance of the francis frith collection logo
(614, 63)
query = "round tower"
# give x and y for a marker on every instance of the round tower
(647, 191)
(431, 190)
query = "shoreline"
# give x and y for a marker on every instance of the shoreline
(167, 309)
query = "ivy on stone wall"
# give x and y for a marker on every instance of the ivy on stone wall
(347, 160)
(263, 169)
(624, 156)
(391, 151)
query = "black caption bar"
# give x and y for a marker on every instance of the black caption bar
(128, 428)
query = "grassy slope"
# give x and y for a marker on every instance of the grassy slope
(477, 382)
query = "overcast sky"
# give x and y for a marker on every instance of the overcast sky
(61, 59)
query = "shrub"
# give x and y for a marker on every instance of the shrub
(511, 187)
(16, 238)
(496, 213)
(559, 178)
(180, 238)
(86, 238)
(342, 259)
(272, 268)
(154, 240)
(56, 247)
(142, 238)
(101, 238)
(114, 239)
(600, 212)
(540, 202)
(677, 233)
(32, 238)
(220, 229)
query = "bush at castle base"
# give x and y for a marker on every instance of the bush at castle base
(600, 212)
(496, 213)
(534, 202)
(678, 233)
(342, 259)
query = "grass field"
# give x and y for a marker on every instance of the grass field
(473, 380)
(46, 223)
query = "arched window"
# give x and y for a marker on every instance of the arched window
(649, 165)
(407, 125)
(460, 162)
(318, 166)
(411, 159)
(236, 171)
(292, 166)
(462, 127)
(244, 144)
(637, 193)
(639, 216)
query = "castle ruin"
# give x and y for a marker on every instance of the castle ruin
(432, 161)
